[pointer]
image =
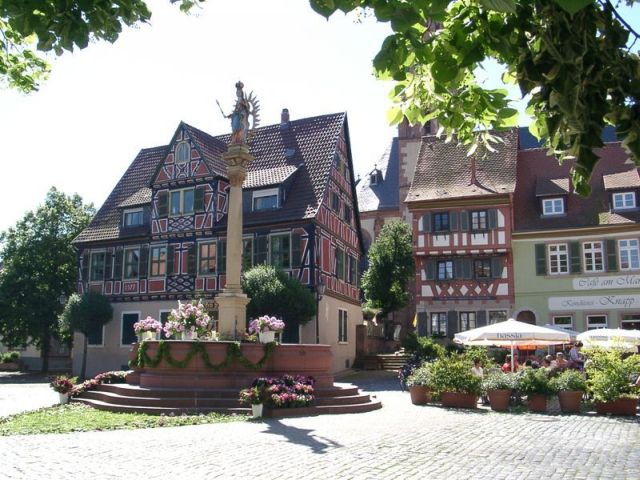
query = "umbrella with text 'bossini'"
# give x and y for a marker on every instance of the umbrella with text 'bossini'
(512, 333)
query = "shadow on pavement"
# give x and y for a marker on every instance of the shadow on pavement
(9, 378)
(372, 380)
(301, 436)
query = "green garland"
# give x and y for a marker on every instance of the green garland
(164, 352)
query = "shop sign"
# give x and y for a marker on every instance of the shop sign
(608, 282)
(595, 302)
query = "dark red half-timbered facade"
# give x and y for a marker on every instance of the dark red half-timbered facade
(161, 234)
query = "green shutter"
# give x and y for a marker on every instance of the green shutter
(144, 261)
(198, 201)
(85, 266)
(453, 221)
(192, 259)
(466, 268)
(458, 268)
(296, 253)
(170, 260)
(464, 220)
(612, 256)
(262, 245)
(481, 318)
(452, 323)
(541, 259)
(108, 271)
(221, 258)
(430, 269)
(497, 265)
(574, 256)
(163, 204)
(492, 221)
(117, 265)
(426, 222)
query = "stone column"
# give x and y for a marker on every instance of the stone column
(232, 303)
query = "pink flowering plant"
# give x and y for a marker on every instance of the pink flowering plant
(287, 391)
(149, 324)
(266, 324)
(188, 316)
(63, 384)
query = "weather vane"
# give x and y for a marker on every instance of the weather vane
(247, 106)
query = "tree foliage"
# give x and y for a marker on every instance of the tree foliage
(84, 313)
(571, 57)
(39, 264)
(390, 267)
(272, 292)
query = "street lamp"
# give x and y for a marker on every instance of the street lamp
(320, 289)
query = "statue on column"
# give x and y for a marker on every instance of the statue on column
(246, 107)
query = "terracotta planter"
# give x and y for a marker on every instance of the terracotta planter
(622, 406)
(537, 403)
(420, 394)
(570, 401)
(499, 399)
(459, 400)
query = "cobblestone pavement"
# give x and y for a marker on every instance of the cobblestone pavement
(20, 392)
(399, 441)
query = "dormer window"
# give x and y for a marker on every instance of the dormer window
(133, 218)
(374, 177)
(624, 200)
(182, 152)
(265, 199)
(553, 206)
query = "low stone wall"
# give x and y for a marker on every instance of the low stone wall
(299, 359)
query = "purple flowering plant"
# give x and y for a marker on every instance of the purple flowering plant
(266, 324)
(188, 316)
(287, 391)
(148, 324)
(63, 384)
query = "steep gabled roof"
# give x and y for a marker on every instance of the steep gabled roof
(106, 224)
(384, 195)
(444, 170)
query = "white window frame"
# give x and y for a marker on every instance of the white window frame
(446, 322)
(552, 203)
(104, 266)
(628, 249)
(489, 312)
(249, 238)
(561, 325)
(124, 263)
(629, 320)
(130, 211)
(558, 254)
(467, 313)
(215, 270)
(281, 234)
(166, 260)
(627, 200)
(479, 216)
(188, 147)
(589, 255)
(97, 345)
(181, 191)
(343, 325)
(270, 192)
(606, 320)
(122, 314)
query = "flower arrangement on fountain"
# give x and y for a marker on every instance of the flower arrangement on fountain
(190, 318)
(266, 324)
(147, 328)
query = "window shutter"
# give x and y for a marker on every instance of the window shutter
(458, 268)
(345, 326)
(541, 259)
(612, 256)
(497, 266)
(430, 267)
(296, 261)
(192, 259)
(464, 220)
(453, 221)
(117, 265)
(492, 215)
(481, 318)
(85, 266)
(198, 200)
(574, 254)
(163, 204)
(466, 268)
(170, 260)
(452, 323)
(261, 249)
(221, 259)
(108, 271)
(144, 261)
(426, 222)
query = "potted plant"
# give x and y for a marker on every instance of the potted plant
(147, 329)
(63, 385)
(609, 381)
(570, 386)
(535, 385)
(499, 386)
(452, 380)
(190, 320)
(255, 397)
(418, 384)
(266, 327)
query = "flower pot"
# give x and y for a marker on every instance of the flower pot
(266, 337)
(188, 335)
(570, 401)
(499, 399)
(459, 400)
(64, 398)
(537, 403)
(420, 394)
(148, 336)
(256, 410)
(622, 406)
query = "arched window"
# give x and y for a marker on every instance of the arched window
(182, 152)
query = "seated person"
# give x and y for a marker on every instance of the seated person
(561, 362)
(506, 367)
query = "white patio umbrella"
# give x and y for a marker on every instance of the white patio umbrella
(512, 333)
(573, 334)
(611, 338)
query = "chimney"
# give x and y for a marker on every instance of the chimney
(284, 116)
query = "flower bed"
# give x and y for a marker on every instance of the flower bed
(287, 391)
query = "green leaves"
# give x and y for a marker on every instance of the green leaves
(573, 6)
(506, 6)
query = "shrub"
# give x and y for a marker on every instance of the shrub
(421, 376)
(453, 374)
(423, 347)
(609, 376)
(535, 382)
(10, 357)
(500, 381)
(569, 381)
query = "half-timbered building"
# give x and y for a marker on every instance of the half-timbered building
(161, 234)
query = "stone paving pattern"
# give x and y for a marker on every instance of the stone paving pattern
(397, 442)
